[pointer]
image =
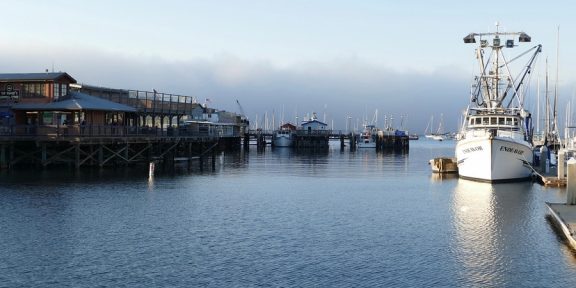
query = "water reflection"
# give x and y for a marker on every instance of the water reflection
(438, 177)
(485, 218)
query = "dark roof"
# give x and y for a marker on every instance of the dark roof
(76, 101)
(53, 76)
(288, 126)
(312, 121)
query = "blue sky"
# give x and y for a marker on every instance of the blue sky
(336, 58)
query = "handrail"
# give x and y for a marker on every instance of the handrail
(88, 131)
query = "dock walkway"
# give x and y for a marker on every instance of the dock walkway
(564, 217)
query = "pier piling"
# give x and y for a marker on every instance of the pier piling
(571, 186)
(561, 162)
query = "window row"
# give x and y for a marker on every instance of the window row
(39, 90)
(505, 121)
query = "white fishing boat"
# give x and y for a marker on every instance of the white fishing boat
(367, 138)
(283, 137)
(494, 143)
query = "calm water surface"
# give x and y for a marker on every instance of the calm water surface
(280, 219)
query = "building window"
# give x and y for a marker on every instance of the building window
(56, 91)
(64, 89)
(33, 90)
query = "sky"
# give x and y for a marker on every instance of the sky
(344, 60)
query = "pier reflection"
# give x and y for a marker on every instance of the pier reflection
(486, 216)
(437, 177)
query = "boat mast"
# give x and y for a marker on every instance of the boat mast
(495, 99)
(547, 119)
(492, 88)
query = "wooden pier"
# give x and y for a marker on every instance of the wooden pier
(319, 139)
(104, 146)
(63, 123)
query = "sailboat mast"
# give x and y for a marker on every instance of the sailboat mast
(556, 136)
(547, 118)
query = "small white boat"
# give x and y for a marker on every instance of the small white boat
(438, 137)
(367, 138)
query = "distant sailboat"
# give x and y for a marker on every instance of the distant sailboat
(439, 134)
(428, 132)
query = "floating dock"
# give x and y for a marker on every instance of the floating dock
(444, 165)
(564, 214)
(564, 218)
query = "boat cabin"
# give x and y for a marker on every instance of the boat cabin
(494, 121)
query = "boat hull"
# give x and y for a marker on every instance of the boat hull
(282, 141)
(366, 145)
(496, 159)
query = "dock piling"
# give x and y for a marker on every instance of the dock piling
(561, 162)
(544, 159)
(151, 168)
(571, 186)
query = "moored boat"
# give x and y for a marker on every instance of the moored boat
(413, 137)
(283, 137)
(367, 138)
(494, 143)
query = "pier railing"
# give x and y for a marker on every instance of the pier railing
(89, 131)
(299, 132)
(145, 101)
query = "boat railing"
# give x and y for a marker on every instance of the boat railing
(493, 126)
(504, 111)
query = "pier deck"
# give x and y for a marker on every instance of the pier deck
(549, 178)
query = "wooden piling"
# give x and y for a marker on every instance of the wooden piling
(571, 184)
(561, 162)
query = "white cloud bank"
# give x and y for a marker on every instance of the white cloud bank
(338, 89)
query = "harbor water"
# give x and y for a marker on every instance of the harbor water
(280, 218)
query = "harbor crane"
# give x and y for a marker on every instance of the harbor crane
(242, 114)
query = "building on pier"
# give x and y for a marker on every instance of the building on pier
(47, 118)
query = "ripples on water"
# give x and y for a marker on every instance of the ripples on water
(280, 219)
